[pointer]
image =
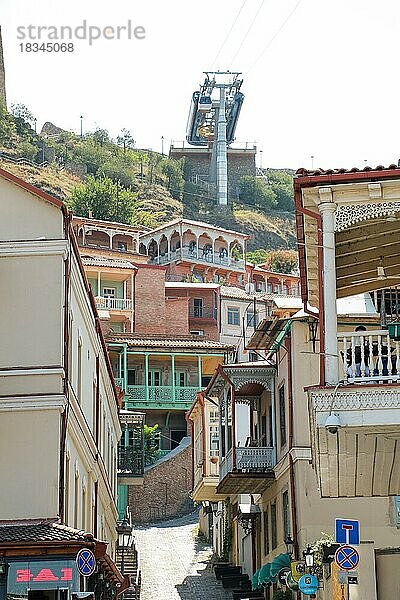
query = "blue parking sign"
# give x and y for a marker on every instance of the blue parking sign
(347, 531)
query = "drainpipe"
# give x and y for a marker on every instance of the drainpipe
(288, 345)
(64, 417)
(300, 211)
(203, 437)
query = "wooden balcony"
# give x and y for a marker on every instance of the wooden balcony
(113, 303)
(130, 465)
(248, 470)
(201, 256)
(158, 396)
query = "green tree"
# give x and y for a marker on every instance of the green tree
(8, 131)
(282, 184)
(125, 139)
(258, 257)
(104, 198)
(20, 111)
(27, 150)
(118, 171)
(90, 154)
(151, 444)
(101, 136)
(282, 261)
(173, 169)
(254, 191)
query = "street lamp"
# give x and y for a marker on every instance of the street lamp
(308, 554)
(124, 531)
(289, 543)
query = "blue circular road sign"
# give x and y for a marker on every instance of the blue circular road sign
(347, 557)
(308, 584)
(86, 562)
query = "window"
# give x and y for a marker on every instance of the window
(76, 501)
(214, 440)
(198, 307)
(285, 514)
(251, 318)
(274, 536)
(94, 403)
(109, 292)
(131, 377)
(233, 315)
(79, 382)
(282, 415)
(205, 380)
(154, 378)
(253, 356)
(180, 378)
(197, 332)
(266, 531)
(122, 246)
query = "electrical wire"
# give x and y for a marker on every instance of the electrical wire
(248, 31)
(270, 42)
(229, 32)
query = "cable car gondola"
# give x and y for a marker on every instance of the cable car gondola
(205, 104)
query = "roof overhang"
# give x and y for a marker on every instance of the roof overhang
(367, 230)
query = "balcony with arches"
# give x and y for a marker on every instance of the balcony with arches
(195, 243)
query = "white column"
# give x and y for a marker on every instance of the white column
(98, 284)
(327, 210)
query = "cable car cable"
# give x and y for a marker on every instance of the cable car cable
(270, 42)
(248, 30)
(229, 32)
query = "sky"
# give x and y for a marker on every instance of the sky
(320, 78)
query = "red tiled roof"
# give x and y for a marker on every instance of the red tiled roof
(35, 530)
(302, 172)
(165, 341)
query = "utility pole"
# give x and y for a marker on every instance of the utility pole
(81, 117)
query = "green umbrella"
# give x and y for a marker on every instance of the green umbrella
(254, 580)
(279, 562)
(264, 574)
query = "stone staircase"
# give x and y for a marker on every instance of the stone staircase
(130, 567)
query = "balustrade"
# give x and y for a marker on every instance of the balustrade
(369, 356)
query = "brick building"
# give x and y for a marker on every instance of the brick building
(241, 161)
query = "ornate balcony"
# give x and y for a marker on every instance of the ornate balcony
(130, 461)
(201, 256)
(247, 470)
(157, 396)
(369, 356)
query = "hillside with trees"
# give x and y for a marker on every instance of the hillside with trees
(114, 180)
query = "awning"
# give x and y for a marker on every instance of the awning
(280, 337)
(269, 572)
(269, 334)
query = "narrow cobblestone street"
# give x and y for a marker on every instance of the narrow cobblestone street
(175, 563)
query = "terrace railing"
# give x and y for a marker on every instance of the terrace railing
(369, 356)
